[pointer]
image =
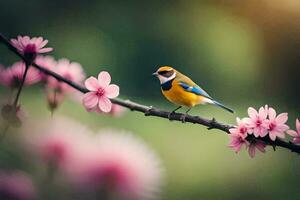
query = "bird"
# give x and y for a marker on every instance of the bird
(182, 91)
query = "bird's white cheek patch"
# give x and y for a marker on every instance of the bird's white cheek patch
(163, 79)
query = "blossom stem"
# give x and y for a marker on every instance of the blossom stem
(21, 85)
(149, 110)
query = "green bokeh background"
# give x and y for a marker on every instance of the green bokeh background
(244, 53)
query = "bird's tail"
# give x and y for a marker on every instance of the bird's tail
(222, 106)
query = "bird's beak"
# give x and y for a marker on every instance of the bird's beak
(154, 74)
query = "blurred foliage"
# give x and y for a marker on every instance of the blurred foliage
(242, 52)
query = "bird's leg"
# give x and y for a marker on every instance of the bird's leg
(183, 116)
(172, 112)
(188, 110)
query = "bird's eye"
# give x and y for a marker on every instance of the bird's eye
(162, 72)
(166, 73)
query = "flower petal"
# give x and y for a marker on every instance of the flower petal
(272, 114)
(38, 42)
(292, 133)
(257, 131)
(233, 130)
(24, 40)
(266, 107)
(16, 44)
(260, 146)
(251, 150)
(104, 79)
(43, 43)
(238, 120)
(91, 84)
(262, 113)
(90, 100)
(282, 118)
(272, 136)
(247, 121)
(112, 91)
(282, 127)
(263, 133)
(280, 134)
(252, 113)
(45, 50)
(105, 104)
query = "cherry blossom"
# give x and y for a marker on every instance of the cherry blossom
(30, 46)
(241, 128)
(55, 141)
(12, 76)
(119, 164)
(69, 70)
(101, 91)
(277, 126)
(237, 142)
(257, 122)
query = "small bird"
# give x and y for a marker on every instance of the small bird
(182, 91)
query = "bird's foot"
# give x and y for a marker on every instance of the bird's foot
(170, 115)
(182, 118)
(173, 112)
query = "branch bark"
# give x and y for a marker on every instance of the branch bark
(151, 111)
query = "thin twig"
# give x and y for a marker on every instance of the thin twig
(21, 86)
(151, 111)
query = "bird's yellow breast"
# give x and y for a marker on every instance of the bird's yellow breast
(177, 95)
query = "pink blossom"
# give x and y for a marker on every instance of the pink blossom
(56, 91)
(12, 76)
(54, 98)
(257, 122)
(100, 93)
(256, 144)
(118, 164)
(35, 45)
(277, 125)
(47, 62)
(70, 70)
(295, 134)
(237, 141)
(55, 141)
(16, 186)
(241, 128)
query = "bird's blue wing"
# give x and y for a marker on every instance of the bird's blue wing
(194, 89)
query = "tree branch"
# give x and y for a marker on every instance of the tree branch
(151, 111)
